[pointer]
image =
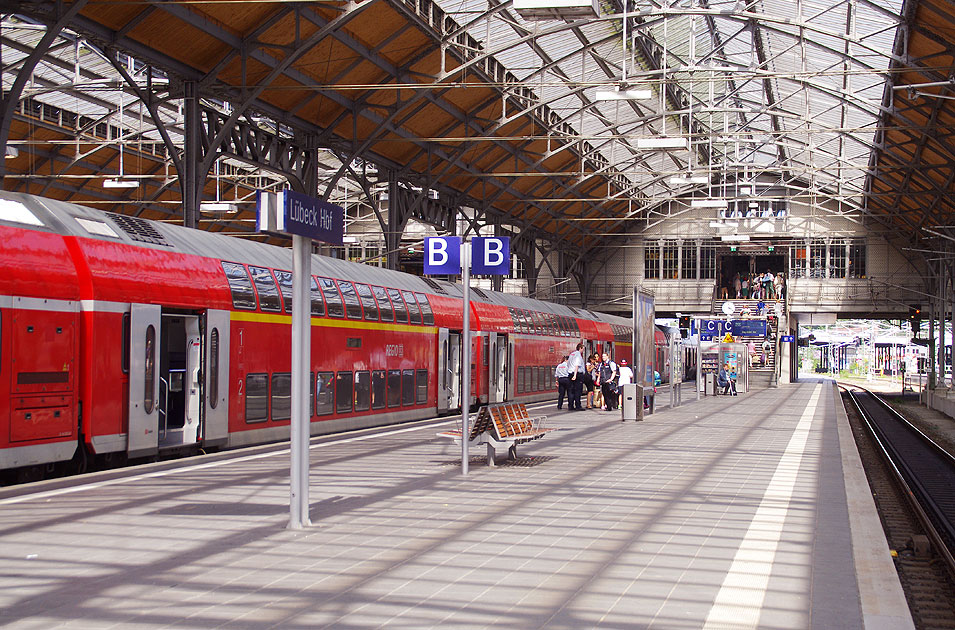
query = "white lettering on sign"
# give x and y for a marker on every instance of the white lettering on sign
(395, 350)
(438, 252)
(321, 217)
(493, 252)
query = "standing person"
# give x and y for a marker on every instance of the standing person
(608, 382)
(563, 382)
(778, 285)
(745, 287)
(737, 286)
(598, 402)
(626, 374)
(589, 379)
(575, 368)
(768, 285)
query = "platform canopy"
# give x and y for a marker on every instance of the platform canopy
(574, 130)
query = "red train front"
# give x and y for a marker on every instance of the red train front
(125, 338)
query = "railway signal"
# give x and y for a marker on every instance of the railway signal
(915, 318)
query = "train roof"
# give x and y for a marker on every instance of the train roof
(39, 213)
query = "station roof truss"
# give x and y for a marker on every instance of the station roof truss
(847, 101)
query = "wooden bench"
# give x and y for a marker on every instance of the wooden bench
(503, 424)
(513, 425)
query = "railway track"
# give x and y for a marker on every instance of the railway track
(913, 483)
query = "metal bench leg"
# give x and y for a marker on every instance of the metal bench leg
(490, 455)
(512, 452)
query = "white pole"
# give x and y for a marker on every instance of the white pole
(466, 354)
(301, 351)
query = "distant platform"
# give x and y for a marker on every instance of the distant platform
(729, 512)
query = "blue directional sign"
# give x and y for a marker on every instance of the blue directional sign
(787, 338)
(491, 255)
(442, 255)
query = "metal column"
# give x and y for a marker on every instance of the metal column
(301, 351)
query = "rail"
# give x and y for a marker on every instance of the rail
(924, 470)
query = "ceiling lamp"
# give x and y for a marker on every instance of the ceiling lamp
(622, 93)
(663, 142)
(218, 207)
(678, 180)
(11, 152)
(120, 183)
(708, 203)
(535, 10)
(735, 237)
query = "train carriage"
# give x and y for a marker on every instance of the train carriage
(122, 337)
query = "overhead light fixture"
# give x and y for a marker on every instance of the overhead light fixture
(678, 180)
(724, 224)
(11, 152)
(662, 142)
(735, 237)
(218, 207)
(534, 10)
(708, 203)
(349, 239)
(624, 94)
(120, 183)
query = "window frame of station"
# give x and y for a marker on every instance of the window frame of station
(820, 258)
(656, 250)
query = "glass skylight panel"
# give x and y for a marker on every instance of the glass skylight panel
(16, 212)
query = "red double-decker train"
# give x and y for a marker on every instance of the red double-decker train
(123, 338)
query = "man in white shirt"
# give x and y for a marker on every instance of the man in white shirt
(575, 368)
(625, 373)
(563, 383)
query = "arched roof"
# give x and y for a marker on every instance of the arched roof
(849, 100)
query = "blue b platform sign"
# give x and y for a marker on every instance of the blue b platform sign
(491, 255)
(442, 255)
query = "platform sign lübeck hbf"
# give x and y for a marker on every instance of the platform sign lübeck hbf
(290, 212)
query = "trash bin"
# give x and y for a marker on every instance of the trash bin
(631, 402)
(710, 384)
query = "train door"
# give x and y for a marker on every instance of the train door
(444, 371)
(215, 419)
(145, 330)
(179, 387)
(499, 363)
(454, 370)
(493, 385)
(510, 370)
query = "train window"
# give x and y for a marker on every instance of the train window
(542, 378)
(318, 304)
(256, 397)
(243, 297)
(311, 394)
(394, 388)
(214, 368)
(426, 313)
(367, 301)
(265, 286)
(378, 389)
(421, 387)
(487, 349)
(333, 299)
(352, 304)
(384, 304)
(520, 380)
(149, 372)
(407, 387)
(414, 313)
(285, 284)
(324, 393)
(344, 389)
(281, 396)
(124, 360)
(362, 391)
(401, 311)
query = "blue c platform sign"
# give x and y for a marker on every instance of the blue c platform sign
(442, 255)
(491, 255)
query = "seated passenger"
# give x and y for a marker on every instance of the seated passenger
(724, 380)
